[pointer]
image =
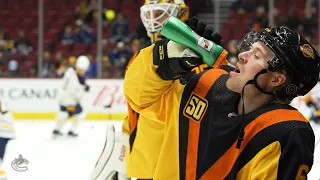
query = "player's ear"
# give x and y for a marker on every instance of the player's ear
(278, 78)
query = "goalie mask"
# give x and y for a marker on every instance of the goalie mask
(154, 13)
(292, 53)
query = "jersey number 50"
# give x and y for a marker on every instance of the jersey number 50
(195, 107)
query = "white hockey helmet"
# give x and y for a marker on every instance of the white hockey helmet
(83, 63)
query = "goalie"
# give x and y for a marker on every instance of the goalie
(142, 138)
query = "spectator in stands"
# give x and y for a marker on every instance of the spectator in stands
(135, 45)
(93, 68)
(13, 69)
(119, 58)
(72, 61)
(293, 20)
(235, 5)
(260, 21)
(278, 20)
(81, 10)
(83, 33)
(68, 37)
(23, 45)
(233, 52)
(62, 68)
(311, 4)
(5, 41)
(106, 49)
(48, 67)
(4, 52)
(120, 29)
(309, 23)
(243, 6)
(135, 48)
(61, 63)
(106, 67)
(92, 16)
(141, 33)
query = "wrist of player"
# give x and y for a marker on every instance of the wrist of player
(173, 60)
(86, 88)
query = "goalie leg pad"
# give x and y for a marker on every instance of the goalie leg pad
(112, 159)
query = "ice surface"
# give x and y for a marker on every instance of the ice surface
(59, 159)
(73, 158)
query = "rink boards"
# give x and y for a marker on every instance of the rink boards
(38, 98)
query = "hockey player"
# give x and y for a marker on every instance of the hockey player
(312, 101)
(73, 89)
(7, 132)
(229, 125)
(142, 149)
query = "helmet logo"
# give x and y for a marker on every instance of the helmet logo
(267, 29)
(291, 89)
(307, 51)
(275, 63)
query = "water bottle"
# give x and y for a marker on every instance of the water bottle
(177, 31)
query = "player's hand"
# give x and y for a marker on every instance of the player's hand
(86, 88)
(203, 30)
(173, 60)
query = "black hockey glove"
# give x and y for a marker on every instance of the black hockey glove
(173, 60)
(203, 30)
(86, 88)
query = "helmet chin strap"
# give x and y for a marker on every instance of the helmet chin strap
(254, 82)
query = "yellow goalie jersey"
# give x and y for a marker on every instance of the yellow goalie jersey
(144, 145)
(151, 138)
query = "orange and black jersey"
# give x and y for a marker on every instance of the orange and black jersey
(209, 126)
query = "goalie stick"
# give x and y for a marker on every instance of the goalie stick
(105, 156)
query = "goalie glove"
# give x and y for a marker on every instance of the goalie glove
(86, 88)
(173, 60)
